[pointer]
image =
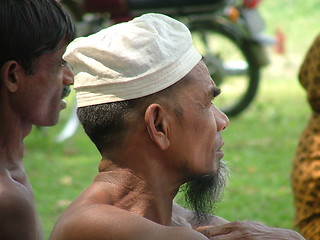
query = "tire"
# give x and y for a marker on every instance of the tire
(232, 65)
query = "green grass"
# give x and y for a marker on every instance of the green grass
(59, 172)
(259, 144)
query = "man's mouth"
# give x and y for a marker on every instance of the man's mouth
(66, 91)
(220, 153)
(221, 145)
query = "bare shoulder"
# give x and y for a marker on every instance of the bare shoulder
(14, 197)
(18, 216)
(106, 222)
(183, 215)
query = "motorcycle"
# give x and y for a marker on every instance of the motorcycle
(228, 34)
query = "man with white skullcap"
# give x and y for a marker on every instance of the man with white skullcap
(145, 100)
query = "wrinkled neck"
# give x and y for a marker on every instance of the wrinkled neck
(141, 194)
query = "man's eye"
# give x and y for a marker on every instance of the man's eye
(216, 92)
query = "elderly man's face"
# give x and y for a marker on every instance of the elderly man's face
(200, 141)
(198, 138)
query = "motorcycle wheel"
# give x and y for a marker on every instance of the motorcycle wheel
(231, 64)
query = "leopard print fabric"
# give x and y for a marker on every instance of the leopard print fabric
(305, 176)
(309, 75)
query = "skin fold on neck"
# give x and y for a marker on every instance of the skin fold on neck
(133, 193)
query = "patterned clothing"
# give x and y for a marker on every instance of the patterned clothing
(305, 176)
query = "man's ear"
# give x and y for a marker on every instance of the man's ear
(9, 75)
(156, 120)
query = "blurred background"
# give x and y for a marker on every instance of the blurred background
(259, 143)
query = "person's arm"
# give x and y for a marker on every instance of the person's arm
(217, 228)
(248, 230)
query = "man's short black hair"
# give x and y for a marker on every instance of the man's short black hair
(31, 28)
(108, 124)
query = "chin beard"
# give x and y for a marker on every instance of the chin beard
(203, 192)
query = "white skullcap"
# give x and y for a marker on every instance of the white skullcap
(131, 60)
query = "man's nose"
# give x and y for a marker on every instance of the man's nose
(68, 77)
(222, 120)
